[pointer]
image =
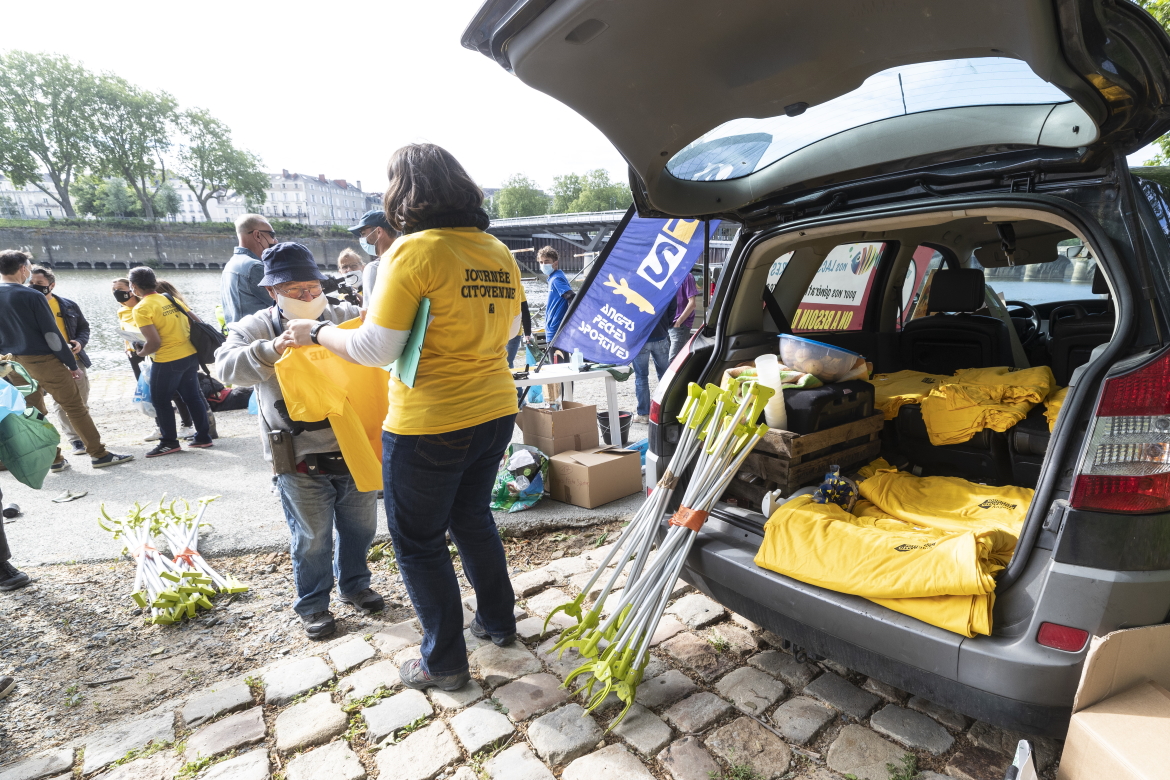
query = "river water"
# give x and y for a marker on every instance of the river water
(92, 291)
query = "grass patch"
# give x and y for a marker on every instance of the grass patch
(149, 750)
(738, 772)
(908, 770)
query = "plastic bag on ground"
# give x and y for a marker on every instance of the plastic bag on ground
(520, 482)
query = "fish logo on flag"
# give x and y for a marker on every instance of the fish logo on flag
(641, 271)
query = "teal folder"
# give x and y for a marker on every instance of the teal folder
(406, 367)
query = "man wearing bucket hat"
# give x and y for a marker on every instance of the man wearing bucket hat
(317, 492)
(375, 235)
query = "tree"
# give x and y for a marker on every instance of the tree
(166, 201)
(133, 136)
(210, 165)
(565, 190)
(8, 208)
(598, 193)
(520, 197)
(46, 121)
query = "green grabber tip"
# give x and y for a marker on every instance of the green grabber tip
(694, 394)
(139, 598)
(763, 394)
(572, 609)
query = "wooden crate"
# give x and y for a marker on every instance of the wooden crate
(788, 461)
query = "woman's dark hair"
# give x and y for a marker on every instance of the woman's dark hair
(426, 180)
(143, 278)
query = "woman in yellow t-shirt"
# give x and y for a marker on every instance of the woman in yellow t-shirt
(174, 367)
(444, 437)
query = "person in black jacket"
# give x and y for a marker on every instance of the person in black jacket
(75, 328)
(29, 332)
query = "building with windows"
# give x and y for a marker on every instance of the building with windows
(296, 197)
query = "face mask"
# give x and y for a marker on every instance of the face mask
(42, 289)
(296, 309)
(121, 296)
(367, 247)
(546, 269)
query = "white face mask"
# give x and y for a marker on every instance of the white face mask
(546, 269)
(296, 309)
(367, 247)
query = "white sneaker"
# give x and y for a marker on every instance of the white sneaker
(641, 419)
(154, 436)
(186, 431)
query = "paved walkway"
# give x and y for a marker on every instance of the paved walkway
(719, 694)
(246, 518)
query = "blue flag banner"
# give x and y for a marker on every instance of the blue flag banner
(641, 272)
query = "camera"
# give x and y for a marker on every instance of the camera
(344, 286)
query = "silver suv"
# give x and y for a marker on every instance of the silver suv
(974, 145)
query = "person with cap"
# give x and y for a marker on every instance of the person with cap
(239, 285)
(174, 367)
(375, 236)
(318, 495)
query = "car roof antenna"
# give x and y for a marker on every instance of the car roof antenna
(1007, 241)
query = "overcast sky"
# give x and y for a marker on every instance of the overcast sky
(331, 86)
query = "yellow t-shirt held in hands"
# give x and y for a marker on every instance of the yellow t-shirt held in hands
(174, 329)
(473, 284)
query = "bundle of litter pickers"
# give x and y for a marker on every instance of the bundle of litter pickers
(176, 586)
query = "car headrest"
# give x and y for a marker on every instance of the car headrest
(956, 289)
(1099, 285)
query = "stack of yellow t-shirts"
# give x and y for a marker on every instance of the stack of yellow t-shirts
(1053, 405)
(979, 398)
(930, 545)
(893, 391)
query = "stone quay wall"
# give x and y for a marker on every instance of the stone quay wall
(106, 249)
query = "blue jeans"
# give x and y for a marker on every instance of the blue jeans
(178, 376)
(317, 509)
(678, 339)
(513, 348)
(440, 484)
(660, 351)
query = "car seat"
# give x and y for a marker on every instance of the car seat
(953, 337)
(1073, 333)
(1028, 440)
(983, 459)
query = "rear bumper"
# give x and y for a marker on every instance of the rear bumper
(1007, 681)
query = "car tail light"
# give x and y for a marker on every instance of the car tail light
(1126, 466)
(666, 379)
(1058, 637)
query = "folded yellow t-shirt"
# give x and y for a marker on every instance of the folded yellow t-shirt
(1053, 406)
(1019, 385)
(893, 391)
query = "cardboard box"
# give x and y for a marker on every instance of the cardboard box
(572, 428)
(1120, 727)
(596, 476)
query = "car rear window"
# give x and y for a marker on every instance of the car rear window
(743, 146)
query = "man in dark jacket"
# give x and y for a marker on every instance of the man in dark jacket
(29, 332)
(75, 328)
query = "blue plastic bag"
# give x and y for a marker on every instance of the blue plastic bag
(536, 392)
(641, 446)
(11, 401)
(254, 402)
(142, 400)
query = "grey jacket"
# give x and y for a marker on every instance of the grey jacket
(247, 359)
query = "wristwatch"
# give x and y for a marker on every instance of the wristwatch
(313, 331)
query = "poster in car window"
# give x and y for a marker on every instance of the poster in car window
(836, 298)
(640, 274)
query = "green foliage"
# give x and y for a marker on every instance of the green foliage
(209, 164)
(8, 208)
(592, 191)
(366, 701)
(908, 770)
(520, 197)
(736, 772)
(719, 643)
(150, 749)
(133, 136)
(1160, 10)
(166, 201)
(401, 733)
(47, 108)
(192, 768)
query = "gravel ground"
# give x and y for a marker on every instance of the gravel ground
(83, 655)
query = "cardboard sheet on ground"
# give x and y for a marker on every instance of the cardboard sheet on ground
(319, 385)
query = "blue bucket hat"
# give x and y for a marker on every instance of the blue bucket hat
(289, 261)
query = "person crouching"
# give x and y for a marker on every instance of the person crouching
(316, 490)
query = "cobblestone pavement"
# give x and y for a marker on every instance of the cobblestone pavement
(720, 696)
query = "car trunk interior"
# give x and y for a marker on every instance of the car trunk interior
(881, 332)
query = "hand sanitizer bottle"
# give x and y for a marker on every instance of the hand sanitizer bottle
(577, 361)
